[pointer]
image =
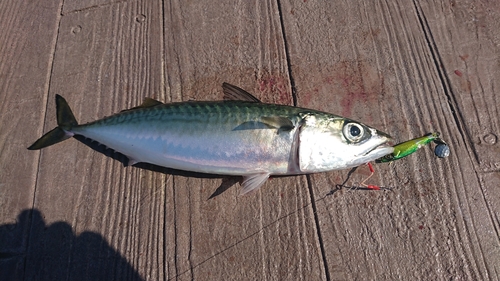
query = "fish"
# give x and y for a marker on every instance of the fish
(237, 136)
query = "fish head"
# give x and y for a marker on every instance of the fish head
(329, 142)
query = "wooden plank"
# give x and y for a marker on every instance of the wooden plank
(397, 66)
(72, 6)
(142, 224)
(372, 61)
(266, 235)
(100, 221)
(27, 40)
(465, 35)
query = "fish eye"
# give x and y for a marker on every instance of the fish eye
(353, 132)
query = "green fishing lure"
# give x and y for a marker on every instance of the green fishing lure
(406, 148)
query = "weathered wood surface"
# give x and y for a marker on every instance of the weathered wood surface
(406, 67)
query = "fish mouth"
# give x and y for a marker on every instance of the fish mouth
(384, 148)
(381, 150)
(374, 153)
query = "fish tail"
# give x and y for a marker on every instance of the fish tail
(65, 122)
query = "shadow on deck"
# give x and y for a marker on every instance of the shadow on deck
(54, 252)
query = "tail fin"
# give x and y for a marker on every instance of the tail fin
(65, 121)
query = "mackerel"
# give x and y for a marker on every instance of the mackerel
(242, 137)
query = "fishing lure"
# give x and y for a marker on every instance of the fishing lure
(406, 148)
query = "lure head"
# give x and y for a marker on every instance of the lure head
(329, 142)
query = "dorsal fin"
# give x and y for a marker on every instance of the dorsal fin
(147, 102)
(232, 92)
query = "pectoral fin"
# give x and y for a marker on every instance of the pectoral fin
(253, 182)
(272, 122)
(278, 122)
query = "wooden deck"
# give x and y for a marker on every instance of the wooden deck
(406, 67)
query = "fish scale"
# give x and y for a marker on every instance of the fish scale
(200, 134)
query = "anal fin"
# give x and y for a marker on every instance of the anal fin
(131, 162)
(253, 182)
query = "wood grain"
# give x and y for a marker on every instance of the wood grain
(266, 235)
(466, 42)
(75, 6)
(107, 59)
(465, 39)
(405, 67)
(374, 62)
(27, 41)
